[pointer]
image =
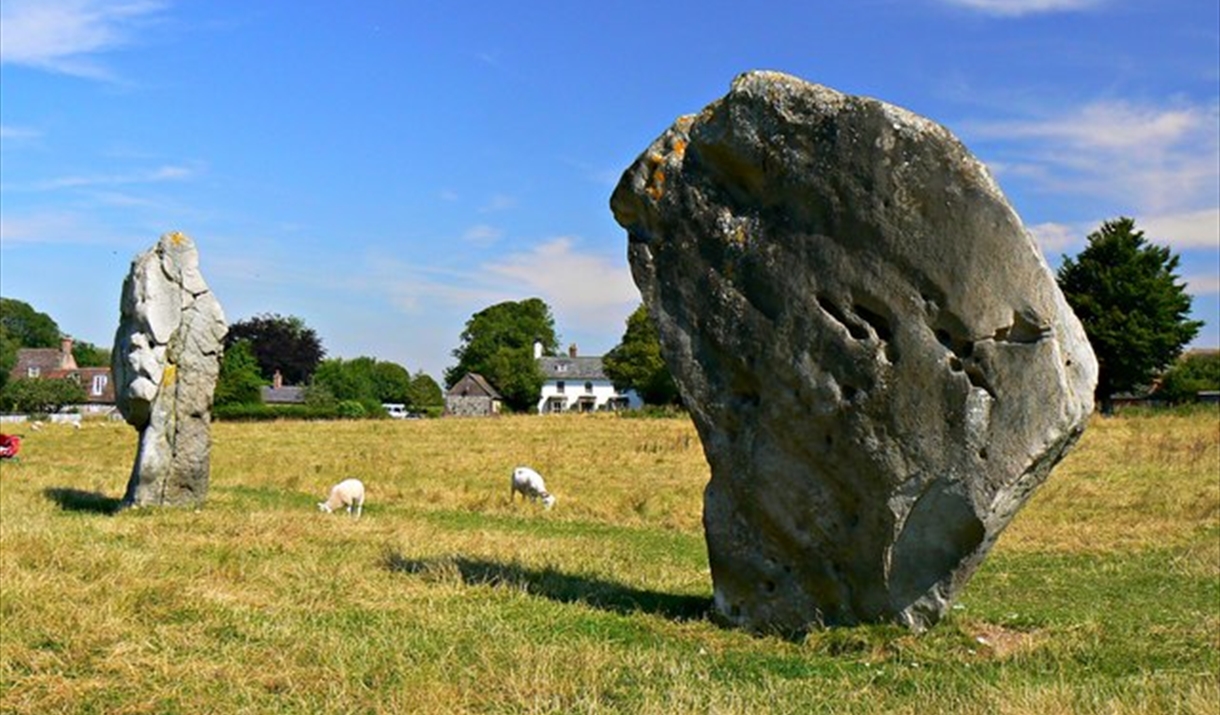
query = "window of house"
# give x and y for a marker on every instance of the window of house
(99, 384)
(589, 387)
(33, 371)
(559, 387)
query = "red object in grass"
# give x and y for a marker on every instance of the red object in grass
(10, 445)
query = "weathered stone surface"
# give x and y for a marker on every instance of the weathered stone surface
(876, 355)
(166, 360)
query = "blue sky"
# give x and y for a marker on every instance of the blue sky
(385, 169)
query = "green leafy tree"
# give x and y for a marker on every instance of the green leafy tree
(89, 355)
(636, 362)
(22, 327)
(30, 328)
(8, 354)
(41, 395)
(498, 343)
(240, 382)
(362, 380)
(1194, 373)
(392, 382)
(1132, 306)
(346, 379)
(280, 343)
(425, 393)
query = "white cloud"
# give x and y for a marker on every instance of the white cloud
(56, 227)
(8, 131)
(1055, 238)
(64, 35)
(1017, 8)
(1111, 126)
(566, 276)
(498, 202)
(584, 289)
(588, 290)
(148, 176)
(1192, 229)
(1157, 160)
(482, 235)
(1202, 284)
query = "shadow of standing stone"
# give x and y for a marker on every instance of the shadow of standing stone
(80, 500)
(166, 361)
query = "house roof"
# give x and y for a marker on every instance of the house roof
(58, 364)
(572, 368)
(473, 384)
(47, 360)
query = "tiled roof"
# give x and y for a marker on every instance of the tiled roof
(572, 368)
(476, 383)
(55, 364)
(46, 360)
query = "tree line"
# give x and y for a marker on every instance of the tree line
(1125, 291)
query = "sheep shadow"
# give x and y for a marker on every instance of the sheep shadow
(80, 500)
(555, 585)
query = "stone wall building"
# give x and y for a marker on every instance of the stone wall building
(472, 396)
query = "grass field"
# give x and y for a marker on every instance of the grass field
(1102, 597)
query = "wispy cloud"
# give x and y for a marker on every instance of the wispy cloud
(1154, 159)
(1018, 8)
(498, 202)
(1055, 238)
(10, 132)
(58, 227)
(1192, 229)
(482, 235)
(156, 175)
(1189, 230)
(1202, 284)
(65, 36)
(590, 288)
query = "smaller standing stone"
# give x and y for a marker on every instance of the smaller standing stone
(166, 361)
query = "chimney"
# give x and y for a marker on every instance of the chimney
(277, 380)
(537, 348)
(66, 360)
(572, 350)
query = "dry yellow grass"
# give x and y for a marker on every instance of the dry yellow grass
(1132, 482)
(446, 597)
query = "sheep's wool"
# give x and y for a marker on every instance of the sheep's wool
(166, 361)
(878, 359)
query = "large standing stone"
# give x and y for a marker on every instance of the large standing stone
(878, 360)
(166, 360)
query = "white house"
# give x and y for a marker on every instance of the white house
(579, 384)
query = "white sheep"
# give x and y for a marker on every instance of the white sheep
(347, 493)
(531, 486)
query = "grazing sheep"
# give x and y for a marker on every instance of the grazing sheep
(531, 486)
(347, 493)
